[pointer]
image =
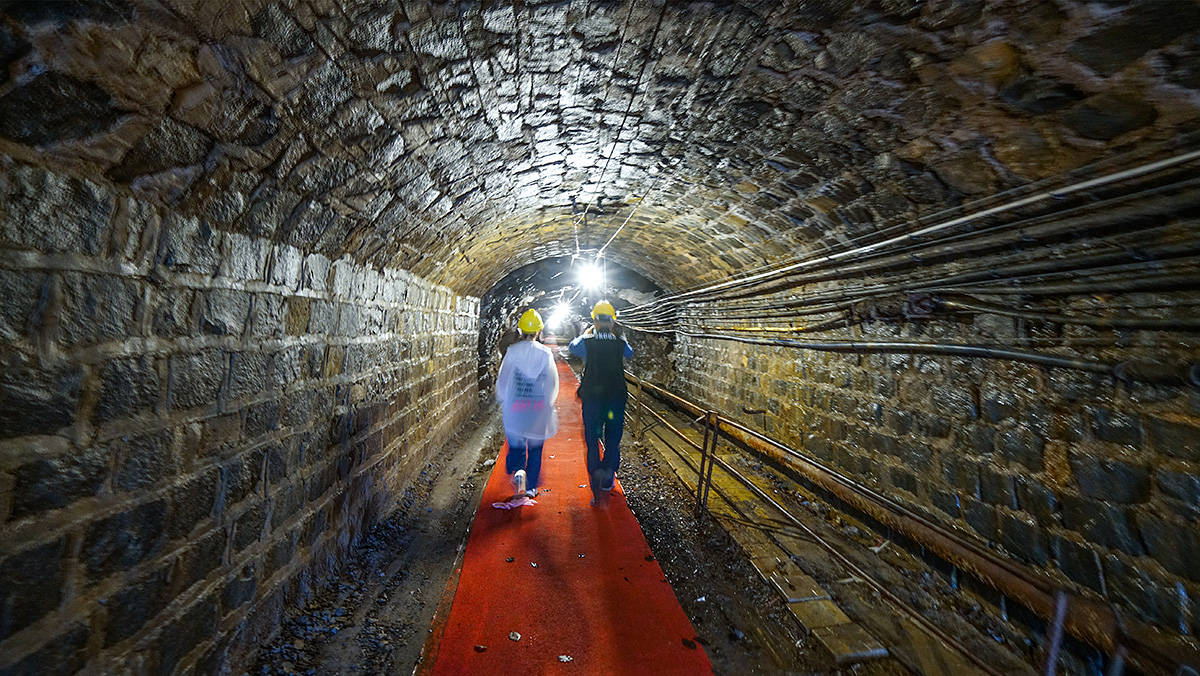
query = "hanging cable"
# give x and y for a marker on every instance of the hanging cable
(1182, 141)
(1040, 197)
(632, 96)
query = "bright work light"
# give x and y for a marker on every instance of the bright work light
(559, 316)
(591, 276)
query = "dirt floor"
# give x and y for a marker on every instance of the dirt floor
(744, 625)
(375, 617)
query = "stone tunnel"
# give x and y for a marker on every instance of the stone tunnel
(259, 260)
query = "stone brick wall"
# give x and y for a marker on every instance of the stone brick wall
(1096, 480)
(195, 423)
(265, 140)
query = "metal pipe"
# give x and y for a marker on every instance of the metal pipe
(1089, 620)
(969, 305)
(943, 250)
(711, 421)
(854, 569)
(1003, 270)
(1105, 263)
(1177, 324)
(858, 572)
(1066, 224)
(1166, 282)
(637, 412)
(1176, 376)
(839, 323)
(671, 427)
(1180, 141)
(1134, 172)
(739, 429)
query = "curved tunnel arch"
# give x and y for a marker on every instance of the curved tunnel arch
(244, 242)
(462, 141)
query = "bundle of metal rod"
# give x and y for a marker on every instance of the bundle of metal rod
(1132, 231)
(1172, 276)
(1167, 374)
(997, 258)
(1159, 324)
(1178, 269)
(1137, 157)
(951, 227)
(1079, 255)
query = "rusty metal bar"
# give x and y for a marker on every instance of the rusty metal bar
(917, 618)
(705, 478)
(663, 421)
(1087, 619)
(711, 421)
(637, 411)
(704, 460)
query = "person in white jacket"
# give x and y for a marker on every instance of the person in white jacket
(526, 389)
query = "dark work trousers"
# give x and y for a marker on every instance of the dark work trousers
(525, 454)
(607, 418)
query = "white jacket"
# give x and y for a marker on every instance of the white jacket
(526, 389)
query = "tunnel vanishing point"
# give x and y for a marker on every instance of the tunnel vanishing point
(256, 258)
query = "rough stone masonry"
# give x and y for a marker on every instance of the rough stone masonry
(196, 422)
(242, 242)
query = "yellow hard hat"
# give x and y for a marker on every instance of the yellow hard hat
(604, 308)
(530, 322)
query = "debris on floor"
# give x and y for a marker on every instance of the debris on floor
(513, 504)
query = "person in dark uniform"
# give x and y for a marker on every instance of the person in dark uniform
(603, 395)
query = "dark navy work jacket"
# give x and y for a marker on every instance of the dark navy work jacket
(603, 356)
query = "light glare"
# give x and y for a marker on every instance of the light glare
(559, 316)
(591, 276)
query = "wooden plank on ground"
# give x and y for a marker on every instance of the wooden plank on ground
(796, 586)
(755, 527)
(748, 520)
(818, 613)
(849, 643)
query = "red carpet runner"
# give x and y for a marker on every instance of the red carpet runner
(595, 596)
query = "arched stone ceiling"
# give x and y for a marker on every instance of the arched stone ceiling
(463, 140)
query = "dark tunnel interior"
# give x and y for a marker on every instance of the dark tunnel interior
(936, 262)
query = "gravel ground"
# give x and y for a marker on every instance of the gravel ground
(745, 625)
(374, 616)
